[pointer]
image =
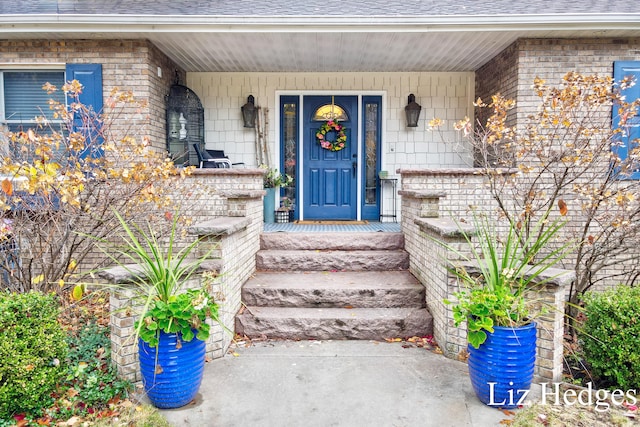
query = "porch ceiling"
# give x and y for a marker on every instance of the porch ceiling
(281, 44)
(345, 52)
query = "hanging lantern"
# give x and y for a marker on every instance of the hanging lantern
(249, 113)
(412, 110)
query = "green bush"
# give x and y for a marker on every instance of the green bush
(32, 351)
(90, 372)
(610, 336)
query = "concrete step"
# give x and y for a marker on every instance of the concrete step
(321, 260)
(358, 289)
(332, 241)
(333, 286)
(334, 323)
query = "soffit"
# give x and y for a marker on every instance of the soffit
(306, 44)
(342, 52)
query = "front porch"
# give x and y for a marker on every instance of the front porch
(234, 224)
(368, 227)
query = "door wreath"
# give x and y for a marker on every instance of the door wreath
(332, 126)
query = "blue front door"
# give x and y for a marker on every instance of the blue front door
(330, 177)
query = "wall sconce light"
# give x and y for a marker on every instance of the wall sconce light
(412, 110)
(249, 113)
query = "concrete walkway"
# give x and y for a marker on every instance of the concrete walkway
(334, 383)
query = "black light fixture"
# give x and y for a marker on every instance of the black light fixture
(412, 110)
(249, 113)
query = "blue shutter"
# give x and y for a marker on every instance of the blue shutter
(90, 76)
(622, 69)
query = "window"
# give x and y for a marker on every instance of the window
(372, 135)
(24, 99)
(371, 143)
(330, 112)
(289, 135)
(631, 136)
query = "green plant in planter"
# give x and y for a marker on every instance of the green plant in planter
(273, 179)
(285, 204)
(183, 313)
(500, 271)
(160, 271)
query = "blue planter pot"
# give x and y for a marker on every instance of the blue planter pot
(177, 380)
(501, 370)
(269, 205)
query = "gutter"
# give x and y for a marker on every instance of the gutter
(340, 24)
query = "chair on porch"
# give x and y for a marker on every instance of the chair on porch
(219, 154)
(206, 160)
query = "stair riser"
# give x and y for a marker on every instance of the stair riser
(323, 329)
(327, 261)
(322, 298)
(332, 241)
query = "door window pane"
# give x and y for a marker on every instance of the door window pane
(330, 112)
(371, 136)
(290, 138)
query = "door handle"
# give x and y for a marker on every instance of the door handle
(354, 166)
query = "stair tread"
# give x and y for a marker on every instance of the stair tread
(331, 313)
(317, 260)
(328, 251)
(333, 280)
(333, 241)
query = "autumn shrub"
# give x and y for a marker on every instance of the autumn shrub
(32, 351)
(566, 153)
(610, 336)
(64, 178)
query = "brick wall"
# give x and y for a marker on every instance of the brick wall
(425, 201)
(233, 224)
(499, 75)
(551, 59)
(513, 71)
(226, 215)
(464, 188)
(126, 64)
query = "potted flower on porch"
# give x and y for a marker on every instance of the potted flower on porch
(172, 327)
(272, 181)
(285, 212)
(497, 300)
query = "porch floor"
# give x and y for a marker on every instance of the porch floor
(335, 383)
(292, 227)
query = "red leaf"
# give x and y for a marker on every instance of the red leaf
(7, 187)
(563, 207)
